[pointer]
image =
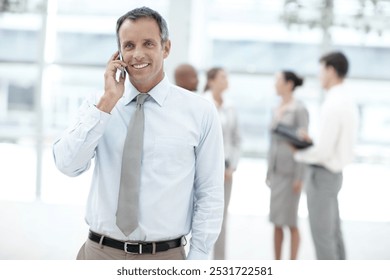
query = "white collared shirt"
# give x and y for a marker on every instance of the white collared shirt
(182, 168)
(334, 146)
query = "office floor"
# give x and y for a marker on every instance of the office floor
(55, 229)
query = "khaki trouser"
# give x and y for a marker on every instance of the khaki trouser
(93, 251)
(220, 244)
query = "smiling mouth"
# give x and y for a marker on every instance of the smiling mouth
(140, 66)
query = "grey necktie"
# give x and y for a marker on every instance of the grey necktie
(127, 212)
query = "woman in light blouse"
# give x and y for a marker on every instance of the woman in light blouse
(215, 90)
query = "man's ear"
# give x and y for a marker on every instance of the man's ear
(333, 71)
(290, 84)
(166, 48)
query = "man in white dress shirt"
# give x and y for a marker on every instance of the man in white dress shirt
(332, 151)
(182, 171)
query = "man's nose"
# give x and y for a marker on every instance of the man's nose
(138, 53)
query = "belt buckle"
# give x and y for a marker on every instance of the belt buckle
(133, 243)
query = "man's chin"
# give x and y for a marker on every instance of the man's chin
(138, 79)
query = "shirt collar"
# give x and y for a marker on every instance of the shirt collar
(336, 89)
(158, 93)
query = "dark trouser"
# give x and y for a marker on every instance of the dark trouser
(322, 188)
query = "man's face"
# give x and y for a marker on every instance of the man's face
(325, 76)
(142, 51)
(192, 81)
(186, 77)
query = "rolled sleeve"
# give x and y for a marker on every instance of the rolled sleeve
(74, 150)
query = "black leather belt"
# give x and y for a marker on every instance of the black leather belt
(137, 248)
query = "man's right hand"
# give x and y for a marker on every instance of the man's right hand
(113, 89)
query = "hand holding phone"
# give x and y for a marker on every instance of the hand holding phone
(122, 68)
(113, 87)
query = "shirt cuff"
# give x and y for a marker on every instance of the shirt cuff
(91, 120)
(94, 118)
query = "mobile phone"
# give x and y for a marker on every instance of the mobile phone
(122, 68)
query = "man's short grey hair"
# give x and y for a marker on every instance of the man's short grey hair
(145, 12)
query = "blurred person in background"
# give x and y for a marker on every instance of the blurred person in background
(177, 166)
(186, 77)
(215, 89)
(284, 174)
(332, 151)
